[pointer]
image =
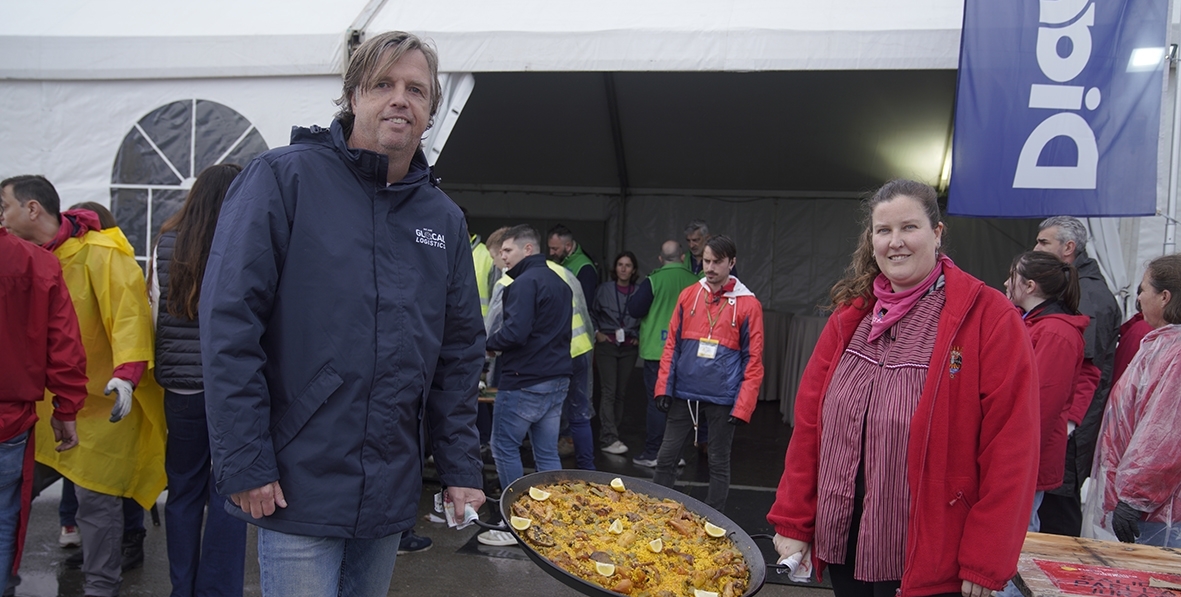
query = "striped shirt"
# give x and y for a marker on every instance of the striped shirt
(866, 416)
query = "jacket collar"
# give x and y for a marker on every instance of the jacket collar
(530, 262)
(369, 165)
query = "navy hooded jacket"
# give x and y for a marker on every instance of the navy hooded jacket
(535, 337)
(338, 316)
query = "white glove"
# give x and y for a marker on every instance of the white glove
(1070, 427)
(123, 390)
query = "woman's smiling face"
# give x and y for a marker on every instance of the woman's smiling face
(904, 244)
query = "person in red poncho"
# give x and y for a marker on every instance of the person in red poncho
(41, 349)
(1136, 495)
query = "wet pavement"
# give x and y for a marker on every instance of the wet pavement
(456, 564)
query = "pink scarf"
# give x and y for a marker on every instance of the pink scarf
(893, 306)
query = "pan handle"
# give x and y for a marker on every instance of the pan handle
(778, 568)
(491, 527)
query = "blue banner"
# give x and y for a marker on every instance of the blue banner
(1058, 108)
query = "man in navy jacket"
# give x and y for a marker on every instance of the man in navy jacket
(535, 364)
(339, 317)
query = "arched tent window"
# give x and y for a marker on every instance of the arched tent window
(162, 155)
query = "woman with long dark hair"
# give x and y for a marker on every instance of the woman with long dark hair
(1046, 290)
(617, 341)
(212, 564)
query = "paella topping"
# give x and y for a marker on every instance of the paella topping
(631, 543)
(520, 523)
(617, 484)
(538, 494)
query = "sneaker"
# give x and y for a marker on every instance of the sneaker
(565, 446)
(644, 462)
(497, 538)
(70, 537)
(681, 462)
(412, 543)
(616, 448)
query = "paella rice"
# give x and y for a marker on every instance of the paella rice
(579, 526)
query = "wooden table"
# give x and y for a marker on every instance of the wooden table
(1090, 567)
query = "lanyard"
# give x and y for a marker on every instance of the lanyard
(695, 416)
(711, 318)
(621, 305)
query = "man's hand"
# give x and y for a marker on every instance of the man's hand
(971, 589)
(460, 496)
(123, 390)
(664, 403)
(1125, 523)
(65, 433)
(260, 501)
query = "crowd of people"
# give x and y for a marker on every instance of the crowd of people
(310, 329)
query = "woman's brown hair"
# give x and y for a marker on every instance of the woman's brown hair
(1164, 273)
(194, 225)
(1056, 279)
(859, 276)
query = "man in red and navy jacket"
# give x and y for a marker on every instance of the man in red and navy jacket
(711, 369)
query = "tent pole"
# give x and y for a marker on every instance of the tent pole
(620, 161)
(1174, 163)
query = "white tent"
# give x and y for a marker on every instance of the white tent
(804, 105)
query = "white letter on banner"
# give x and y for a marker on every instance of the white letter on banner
(1080, 176)
(1057, 12)
(1056, 67)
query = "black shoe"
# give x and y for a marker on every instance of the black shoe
(74, 562)
(412, 543)
(133, 549)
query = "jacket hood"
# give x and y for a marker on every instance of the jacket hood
(369, 165)
(1078, 321)
(740, 289)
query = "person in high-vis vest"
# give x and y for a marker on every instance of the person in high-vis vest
(653, 304)
(577, 409)
(482, 259)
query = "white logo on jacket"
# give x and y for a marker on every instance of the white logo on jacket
(428, 237)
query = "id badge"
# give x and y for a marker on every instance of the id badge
(619, 336)
(706, 348)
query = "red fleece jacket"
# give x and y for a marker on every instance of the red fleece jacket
(1058, 351)
(972, 455)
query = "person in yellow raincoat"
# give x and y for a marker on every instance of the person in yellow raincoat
(121, 429)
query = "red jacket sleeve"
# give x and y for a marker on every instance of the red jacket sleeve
(65, 372)
(752, 376)
(1084, 392)
(794, 512)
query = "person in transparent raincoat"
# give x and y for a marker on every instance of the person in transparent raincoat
(1136, 496)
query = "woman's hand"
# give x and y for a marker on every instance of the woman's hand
(971, 589)
(601, 337)
(786, 547)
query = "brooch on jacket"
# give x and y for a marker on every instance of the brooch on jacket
(957, 361)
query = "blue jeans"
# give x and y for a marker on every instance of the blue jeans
(199, 565)
(12, 461)
(534, 410)
(301, 566)
(578, 410)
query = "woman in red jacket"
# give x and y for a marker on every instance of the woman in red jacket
(912, 465)
(1047, 291)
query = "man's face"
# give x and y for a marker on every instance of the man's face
(559, 248)
(716, 270)
(14, 216)
(696, 242)
(1047, 241)
(513, 251)
(392, 116)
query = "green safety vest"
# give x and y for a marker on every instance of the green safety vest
(667, 284)
(577, 260)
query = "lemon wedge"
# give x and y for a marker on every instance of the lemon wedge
(538, 494)
(520, 523)
(616, 526)
(700, 593)
(714, 530)
(609, 569)
(656, 545)
(617, 484)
